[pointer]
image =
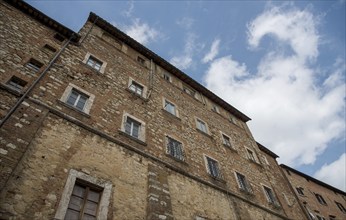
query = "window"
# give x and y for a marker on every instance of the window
(140, 60)
(251, 155)
(84, 202)
(320, 217)
(49, 49)
(136, 88)
(215, 109)
(320, 199)
(34, 65)
(170, 107)
(226, 140)
(189, 91)
(94, 63)
(242, 183)
(300, 191)
(77, 99)
(341, 207)
(59, 37)
(265, 159)
(213, 167)
(84, 197)
(167, 77)
(270, 195)
(175, 149)
(202, 126)
(132, 127)
(16, 83)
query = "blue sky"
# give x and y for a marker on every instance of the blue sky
(281, 63)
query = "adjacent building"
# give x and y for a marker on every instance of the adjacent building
(96, 126)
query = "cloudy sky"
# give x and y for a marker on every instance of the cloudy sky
(281, 63)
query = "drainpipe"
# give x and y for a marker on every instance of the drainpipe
(32, 86)
(151, 77)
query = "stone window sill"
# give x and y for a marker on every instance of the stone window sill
(230, 148)
(74, 109)
(136, 95)
(256, 163)
(132, 138)
(9, 88)
(91, 68)
(178, 160)
(202, 132)
(171, 115)
(217, 179)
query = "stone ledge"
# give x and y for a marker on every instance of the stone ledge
(73, 108)
(206, 134)
(136, 95)
(171, 115)
(132, 138)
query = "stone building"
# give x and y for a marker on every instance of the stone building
(96, 126)
(319, 199)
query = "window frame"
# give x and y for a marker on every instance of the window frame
(205, 125)
(144, 88)
(181, 156)
(300, 191)
(340, 206)
(88, 104)
(215, 108)
(320, 199)
(215, 164)
(92, 56)
(251, 156)
(175, 108)
(19, 85)
(72, 178)
(34, 65)
(243, 184)
(270, 195)
(141, 130)
(167, 77)
(230, 145)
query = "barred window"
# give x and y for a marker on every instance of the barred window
(213, 167)
(243, 183)
(341, 207)
(175, 148)
(34, 64)
(320, 199)
(16, 83)
(251, 155)
(270, 195)
(300, 191)
(226, 140)
(202, 126)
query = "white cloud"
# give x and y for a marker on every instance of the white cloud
(334, 173)
(186, 22)
(184, 61)
(214, 50)
(141, 32)
(292, 26)
(129, 11)
(294, 115)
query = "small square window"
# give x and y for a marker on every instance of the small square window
(341, 207)
(215, 109)
(270, 195)
(242, 183)
(320, 199)
(175, 149)
(189, 91)
(136, 88)
(202, 126)
(226, 141)
(94, 63)
(140, 60)
(77, 99)
(170, 107)
(59, 37)
(16, 83)
(251, 155)
(132, 127)
(300, 191)
(167, 77)
(49, 48)
(34, 64)
(213, 168)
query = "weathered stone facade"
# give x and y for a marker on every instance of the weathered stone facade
(320, 200)
(119, 143)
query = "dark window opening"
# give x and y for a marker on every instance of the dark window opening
(16, 83)
(59, 37)
(34, 64)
